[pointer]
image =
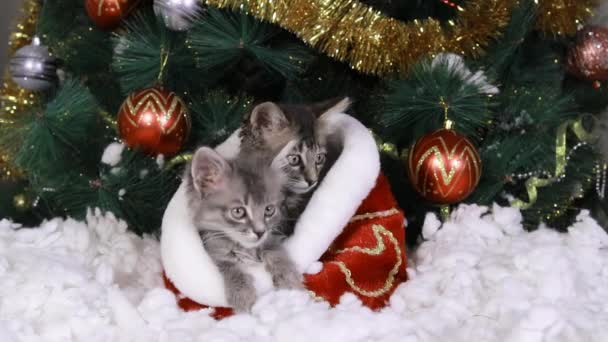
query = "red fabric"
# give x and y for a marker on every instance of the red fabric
(369, 272)
(368, 248)
(188, 304)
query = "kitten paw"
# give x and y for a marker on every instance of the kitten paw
(288, 280)
(240, 292)
(242, 300)
(282, 269)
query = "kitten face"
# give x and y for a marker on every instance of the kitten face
(302, 162)
(291, 136)
(239, 199)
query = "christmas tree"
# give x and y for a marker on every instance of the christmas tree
(514, 79)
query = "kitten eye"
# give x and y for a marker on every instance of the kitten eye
(238, 213)
(293, 159)
(270, 210)
(320, 158)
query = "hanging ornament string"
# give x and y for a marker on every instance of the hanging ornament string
(444, 209)
(447, 123)
(561, 161)
(391, 149)
(164, 59)
(373, 43)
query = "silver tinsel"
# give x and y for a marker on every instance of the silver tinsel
(178, 15)
(33, 67)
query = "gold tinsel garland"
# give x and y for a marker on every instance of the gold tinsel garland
(373, 43)
(348, 31)
(13, 99)
(25, 26)
(561, 17)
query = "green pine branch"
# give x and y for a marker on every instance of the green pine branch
(501, 55)
(412, 106)
(135, 190)
(216, 116)
(220, 40)
(523, 137)
(147, 52)
(70, 35)
(49, 140)
(554, 205)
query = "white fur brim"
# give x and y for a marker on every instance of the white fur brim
(349, 181)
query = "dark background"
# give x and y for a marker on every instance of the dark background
(8, 10)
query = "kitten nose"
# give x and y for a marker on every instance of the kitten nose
(259, 233)
(310, 179)
(311, 182)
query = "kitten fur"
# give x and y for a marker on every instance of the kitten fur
(236, 206)
(293, 138)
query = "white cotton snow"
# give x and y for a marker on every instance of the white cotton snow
(478, 277)
(160, 161)
(121, 194)
(143, 173)
(314, 268)
(112, 154)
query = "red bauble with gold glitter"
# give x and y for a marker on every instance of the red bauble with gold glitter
(155, 120)
(588, 58)
(107, 14)
(444, 167)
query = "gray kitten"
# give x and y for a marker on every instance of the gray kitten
(291, 137)
(236, 206)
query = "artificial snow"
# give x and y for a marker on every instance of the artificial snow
(478, 277)
(160, 161)
(143, 173)
(112, 154)
(121, 194)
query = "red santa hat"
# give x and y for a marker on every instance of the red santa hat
(351, 225)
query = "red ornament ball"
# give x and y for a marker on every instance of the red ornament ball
(155, 120)
(444, 167)
(107, 14)
(588, 58)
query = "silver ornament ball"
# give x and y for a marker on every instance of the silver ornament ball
(178, 15)
(33, 67)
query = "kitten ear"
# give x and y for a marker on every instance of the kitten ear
(334, 105)
(267, 117)
(209, 170)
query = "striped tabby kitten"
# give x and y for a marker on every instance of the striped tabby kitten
(291, 137)
(236, 206)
